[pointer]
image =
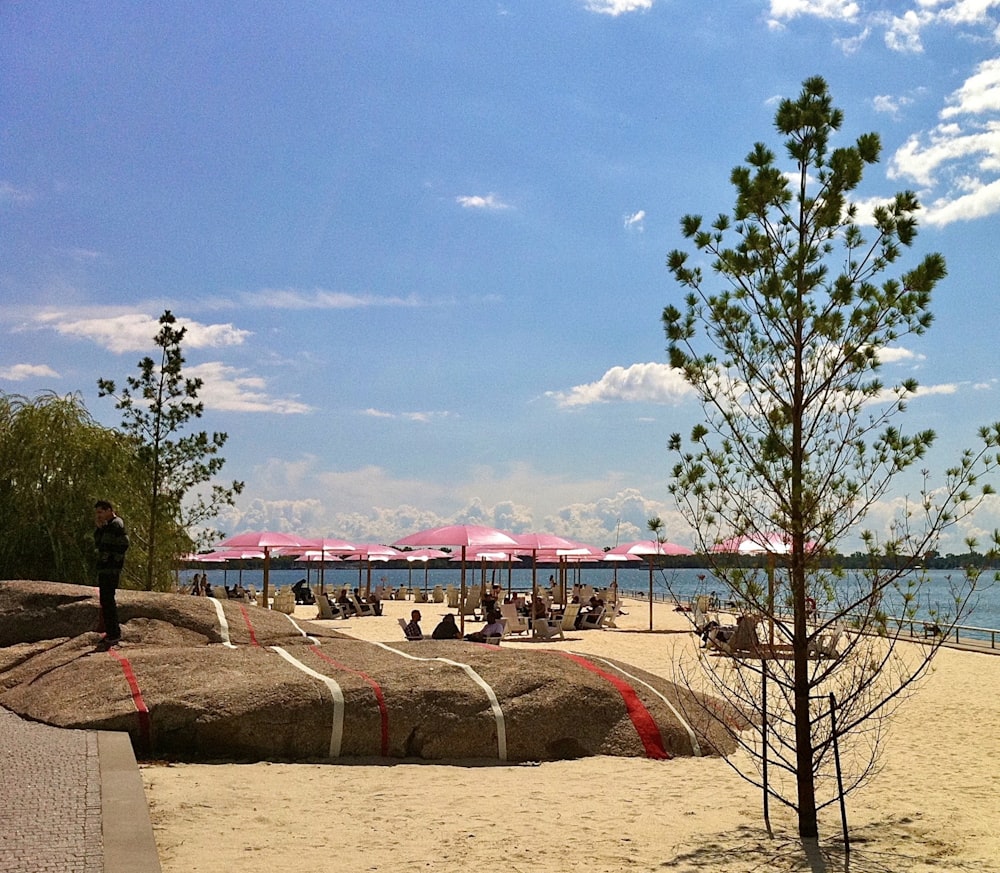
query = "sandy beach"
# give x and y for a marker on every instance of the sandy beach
(934, 806)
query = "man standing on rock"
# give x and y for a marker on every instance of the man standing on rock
(111, 542)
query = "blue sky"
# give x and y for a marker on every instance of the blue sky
(419, 247)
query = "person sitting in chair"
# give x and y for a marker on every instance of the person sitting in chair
(412, 630)
(493, 628)
(447, 629)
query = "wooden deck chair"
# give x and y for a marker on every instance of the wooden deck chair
(548, 629)
(438, 594)
(472, 600)
(592, 620)
(569, 616)
(699, 613)
(327, 610)
(514, 622)
(827, 643)
(743, 640)
(362, 609)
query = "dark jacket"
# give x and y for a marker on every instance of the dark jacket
(111, 542)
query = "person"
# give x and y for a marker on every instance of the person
(447, 629)
(493, 628)
(412, 630)
(111, 542)
(539, 609)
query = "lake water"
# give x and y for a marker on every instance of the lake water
(668, 585)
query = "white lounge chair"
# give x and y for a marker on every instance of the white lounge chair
(327, 610)
(548, 629)
(514, 622)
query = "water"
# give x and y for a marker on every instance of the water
(668, 585)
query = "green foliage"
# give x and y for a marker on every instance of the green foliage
(156, 406)
(782, 345)
(55, 462)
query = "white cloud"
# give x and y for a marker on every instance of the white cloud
(422, 417)
(231, 389)
(957, 163)
(896, 355)
(134, 331)
(979, 94)
(617, 7)
(20, 372)
(636, 221)
(290, 298)
(639, 383)
(476, 201)
(13, 195)
(840, 10)
(890, 105)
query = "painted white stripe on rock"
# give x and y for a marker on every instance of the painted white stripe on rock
(480, 681)
(337, 729)
(223, 624)
(313, 640)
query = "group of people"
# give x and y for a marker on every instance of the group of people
(347, 607)
(447, 629)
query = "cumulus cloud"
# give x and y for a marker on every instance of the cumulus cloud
(20, 372)
(957, 163)
(476, 201)
(134, 331)
(639, 383)
(897, 355)
(618, 7)
(234, 390)
(290, 298)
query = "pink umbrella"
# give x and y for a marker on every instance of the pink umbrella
(328, 546)
(650, 549)
(462, 536)
(369, 552)
(267, 541)
(227, 555)
(423, 555)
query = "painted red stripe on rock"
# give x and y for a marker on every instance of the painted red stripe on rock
(645, 725)
(145, 726)
(249, 624)
(379, 697)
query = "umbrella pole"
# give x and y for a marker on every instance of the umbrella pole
(267, 568)
(461, 597)
(650, 592)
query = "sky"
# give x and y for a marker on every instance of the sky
(419, 248)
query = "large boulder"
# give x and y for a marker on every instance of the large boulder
(197, 679)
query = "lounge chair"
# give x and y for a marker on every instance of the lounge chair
(514, 623)
(362, 609)
(327, 610)
(592, 620)
(548, 629)
(569, 616)
(741, 640)
(699, 613)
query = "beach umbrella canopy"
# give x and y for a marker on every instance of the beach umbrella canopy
(267, 541)
(649, 549)
(463, 536)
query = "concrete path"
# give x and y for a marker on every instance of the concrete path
(71, 801)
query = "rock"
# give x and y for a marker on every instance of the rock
(187, 688)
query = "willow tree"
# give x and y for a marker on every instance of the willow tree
(55, 461)
(157, 406)
(782, 340)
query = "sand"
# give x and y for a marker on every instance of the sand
(935, 805)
